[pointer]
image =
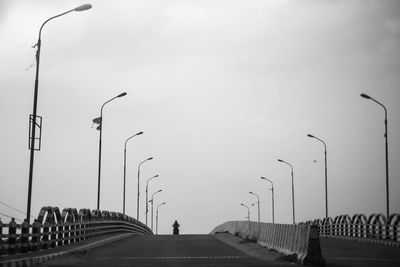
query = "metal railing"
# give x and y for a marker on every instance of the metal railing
(53, 229)
(360, 227)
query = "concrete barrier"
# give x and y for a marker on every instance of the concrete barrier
(301, 241)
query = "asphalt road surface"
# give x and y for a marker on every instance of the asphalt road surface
(342, 253)
(163, 250)
(206, 250)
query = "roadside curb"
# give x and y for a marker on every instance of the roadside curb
(32, 261)
(250, 248)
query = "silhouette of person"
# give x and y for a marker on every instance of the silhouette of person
(176, 227)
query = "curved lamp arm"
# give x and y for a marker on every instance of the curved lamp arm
(79, 8)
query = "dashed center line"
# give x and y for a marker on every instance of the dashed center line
(178, 258)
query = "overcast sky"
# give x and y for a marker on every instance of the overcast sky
(221, 90)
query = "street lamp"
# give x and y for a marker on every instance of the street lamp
(326, 174)
(32, 121)
(291, 167)
(147, 189)
(138, 191)
(139, 133)
(258, 204)
(248, 211)
(272, 190)
(386, 153)
(152, 205)
(99, 121)
(157, 216)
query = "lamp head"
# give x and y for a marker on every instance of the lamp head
(251, 192)
(122, 94)
(310, 135)
(164, 203)
(150, 158)
(139, 133)
(280, 160)
(159, 190)
(365, 96)
(83, 7)
(155, 176)
(263, 178)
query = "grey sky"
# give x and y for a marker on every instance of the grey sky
(221, 89)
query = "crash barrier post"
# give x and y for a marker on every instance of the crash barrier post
(12, 236)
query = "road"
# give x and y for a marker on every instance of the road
(353, 254)
(163, 250)
(206, 250)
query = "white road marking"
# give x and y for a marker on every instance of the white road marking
(176, 258)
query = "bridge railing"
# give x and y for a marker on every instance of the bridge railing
(300, 241)
(373, 228)
(53, 229)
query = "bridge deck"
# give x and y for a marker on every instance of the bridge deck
(345, 253)
(206, 250)
(163, 250)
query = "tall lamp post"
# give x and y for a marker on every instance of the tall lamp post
(138, 183)
(386, 152)
(253, 204)
(99, 121)
(157, 216)
(147, 199)
(291, 167)
(326, 174)
(152, 205)
(139, 133)
(272, 190)
(33, 123)
(248, 211)
(258, 204)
